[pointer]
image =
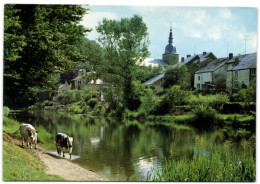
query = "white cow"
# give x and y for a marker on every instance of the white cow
(29, 134)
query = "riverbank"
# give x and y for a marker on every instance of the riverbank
(23, 164)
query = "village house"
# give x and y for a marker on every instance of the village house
(226, 74)
(79, 81)
(242, 74)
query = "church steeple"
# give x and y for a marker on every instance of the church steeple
(170, 48)
(170, 36)
(170, 54)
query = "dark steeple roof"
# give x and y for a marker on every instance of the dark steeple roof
(170, 48)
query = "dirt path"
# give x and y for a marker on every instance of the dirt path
(59, 166)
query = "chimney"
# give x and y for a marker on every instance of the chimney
(188, 55)
(230, 55)
(204, 53)
(182, 59)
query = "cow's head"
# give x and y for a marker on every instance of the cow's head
(32, 134)
(70, 141)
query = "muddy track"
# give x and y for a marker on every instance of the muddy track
(57, 165)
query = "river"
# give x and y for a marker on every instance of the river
(121, 150)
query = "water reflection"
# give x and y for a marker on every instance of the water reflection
(126, 151)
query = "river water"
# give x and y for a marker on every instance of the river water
(121, 150)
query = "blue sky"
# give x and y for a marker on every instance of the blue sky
(220, 30)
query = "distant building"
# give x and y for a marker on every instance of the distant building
(169, 57)
(79, 82)
(196, 62)
(156, 82)
(227, 74)
(63, 88)
(242, 73)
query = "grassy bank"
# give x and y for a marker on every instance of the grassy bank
(22, 164)
(214, 168)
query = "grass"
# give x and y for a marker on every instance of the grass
(214, 168)
(23, 165)
(237, 117)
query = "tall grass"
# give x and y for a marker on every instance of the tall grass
(214, 168)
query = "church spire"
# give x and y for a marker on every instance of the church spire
(170, 36)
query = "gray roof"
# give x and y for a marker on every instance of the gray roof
(214, 65)
(77, 78)
(154, 79)
(246, 62)
(201, 58)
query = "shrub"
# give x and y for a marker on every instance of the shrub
(6, 111)
(246, 96)
(204, 113)
(149, 102)
(215, 101)
(174, 96)
(92, 102)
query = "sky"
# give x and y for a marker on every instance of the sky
(220, 30)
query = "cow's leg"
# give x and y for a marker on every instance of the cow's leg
(63, 154)
(30, 145)
(70, 156)
(22, 141)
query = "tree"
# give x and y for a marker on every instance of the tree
(51, 34)
(125, 43)
(175, 75)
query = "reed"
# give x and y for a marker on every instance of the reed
(214, 168)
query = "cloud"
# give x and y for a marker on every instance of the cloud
(91, 21)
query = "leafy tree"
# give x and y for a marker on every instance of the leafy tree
(144, 73)
(175, 75)
(125, 43)
(50, 37)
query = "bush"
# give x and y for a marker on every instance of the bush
(215, 101)
(174, 96)
(246, 96)
(6, 111)
(204, 113)
(149, 102)
(92, 102)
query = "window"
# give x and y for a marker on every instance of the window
(236, 84)
(208, 82)
(236, 74)
(252, 71)
(198, 77)
(198, 86)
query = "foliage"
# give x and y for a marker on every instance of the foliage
(6, 111)
(149, 101)
(72, 96)
(246, 96)
(213, 169)
(125, 43)
(204, 113)
(215, 101)
(174, 96)
(11, 126)
(143, 73)
(23, 165)
(175, 75)
(44, 40)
